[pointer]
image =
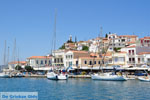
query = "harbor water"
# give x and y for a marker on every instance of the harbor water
(78, 89)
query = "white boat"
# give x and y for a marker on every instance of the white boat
(4, 75)
(108, 77)
(54, 76)
(18, 75)
(146, 79)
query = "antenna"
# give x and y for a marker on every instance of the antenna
(101, 31)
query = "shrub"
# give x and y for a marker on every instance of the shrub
(28, 68)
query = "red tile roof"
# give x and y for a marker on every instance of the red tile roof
(144, 38)
(18, 62)
(132, 46)
(131, 36)
(141, 53)
(39, 57)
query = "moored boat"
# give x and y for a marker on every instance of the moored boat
(53, 76)
(4, 75)
(108, 77)
(146, 79)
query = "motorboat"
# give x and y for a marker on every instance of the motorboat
(4, 75)
(54, 76)
(108, 77)
(18, 75)
(146, 78)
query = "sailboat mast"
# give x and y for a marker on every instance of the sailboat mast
(5, 53)
(8, 56)
(14, 51)
(54, 38)
(55, 31)
(100, 46)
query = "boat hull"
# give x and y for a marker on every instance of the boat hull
(53, 76)
(108, 78)
(144, 79)
(2, 75)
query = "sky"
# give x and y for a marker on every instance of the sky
(31, 22)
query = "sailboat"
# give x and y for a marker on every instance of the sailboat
(52, 75)
(108, 76)
(2, 73)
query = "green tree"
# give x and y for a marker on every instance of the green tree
(106, 35)
(117, 49)
(62, 47)
(18, 67)
(28, 68)
(85, 48)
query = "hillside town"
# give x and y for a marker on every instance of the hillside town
(127, 51)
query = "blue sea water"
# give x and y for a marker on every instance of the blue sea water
(78, 89)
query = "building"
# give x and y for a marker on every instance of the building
(145, 41)
(39, 61)
(13, 64)
(74, 54)
(58, 58)
(135, 55)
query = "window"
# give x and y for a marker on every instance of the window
(94, 62)
(49, 62)
(71, 56)
(76, 63)
(55, 60)
(148, 60)
(58, 60)
(90, 63)
(70, 63)
(121, 59)
(138, 60)
(99, 62)
(129, 52)
(37, 62)
(41, 62)
(132, 52)
(61, 60)
(133, 59)
(129, 60)
(45, 61)
(85, 62)
(116, 59)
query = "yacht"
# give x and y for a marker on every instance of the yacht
(108, 77)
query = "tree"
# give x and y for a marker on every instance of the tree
(85, 48)
(106, 35)
(70, 41)
(28, 68)
(116, 49)
(62, 47)
(18, 67)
